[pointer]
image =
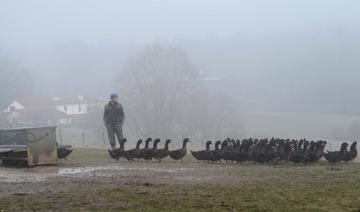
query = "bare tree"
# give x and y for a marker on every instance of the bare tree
(155, 85)
(164, 97)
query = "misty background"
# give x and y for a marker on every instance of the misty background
(267, 68)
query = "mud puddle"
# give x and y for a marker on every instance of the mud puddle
(39, 174)
(85, 170)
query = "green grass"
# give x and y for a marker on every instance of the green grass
(313, 195)
(280, 188)
(89, 154)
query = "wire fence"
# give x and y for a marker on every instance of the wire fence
(81, 137)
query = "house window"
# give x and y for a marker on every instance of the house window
(65, 108)
(12, 108)
(79, 108)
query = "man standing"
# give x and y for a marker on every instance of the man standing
(114, 117)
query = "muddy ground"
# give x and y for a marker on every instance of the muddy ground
(89, 180)
(69, 176)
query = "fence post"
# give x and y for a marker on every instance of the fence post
(103, 135)
(60, 136)
(83, 136)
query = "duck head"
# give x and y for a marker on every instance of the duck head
(312, 145)
(185, 141)
(306, 144)
(344, 147)
(139, 142)
(224, 144)
(320, 146)
(156, 141)
(353, 146)
(300, 144)
(208, 143)
(272, 142)
(266, 141)
(168, 141)
(255, 142)
(147, 142)
(217, 144)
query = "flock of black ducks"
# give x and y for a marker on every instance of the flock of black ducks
(240, 151)
(148, 153)
(274, 150)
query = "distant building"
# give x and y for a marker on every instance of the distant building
(3, 121)
(43, 110)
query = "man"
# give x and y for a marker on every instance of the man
(114, 117)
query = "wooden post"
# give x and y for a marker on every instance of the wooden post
(83, 137)
(60, 136)
(103, 135)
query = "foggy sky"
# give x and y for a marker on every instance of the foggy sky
(272, 55)
(134, 22)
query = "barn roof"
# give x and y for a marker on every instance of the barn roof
(44, 101)
(42, 113)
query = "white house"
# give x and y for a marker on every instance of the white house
(43, 110)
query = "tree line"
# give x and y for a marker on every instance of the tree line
(15, 81)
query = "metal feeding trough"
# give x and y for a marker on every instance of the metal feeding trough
(28, 146)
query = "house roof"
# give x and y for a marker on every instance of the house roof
(42, 113)
(43, 101)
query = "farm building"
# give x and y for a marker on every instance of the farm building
(44, 110)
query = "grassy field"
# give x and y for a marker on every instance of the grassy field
(253, 188)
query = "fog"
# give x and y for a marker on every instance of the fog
(290, 68)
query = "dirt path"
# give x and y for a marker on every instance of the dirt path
(65, 176)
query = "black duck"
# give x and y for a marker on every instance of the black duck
(204, 154)
(352, 154)
(162, 153)
(214, 155)
(63, 151)
(146, 149)
(118, 153)
(150, 153)
(179, 154)
(133, 153)
(337, 156)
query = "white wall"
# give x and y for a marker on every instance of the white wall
(16, 105)
(73, 109)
